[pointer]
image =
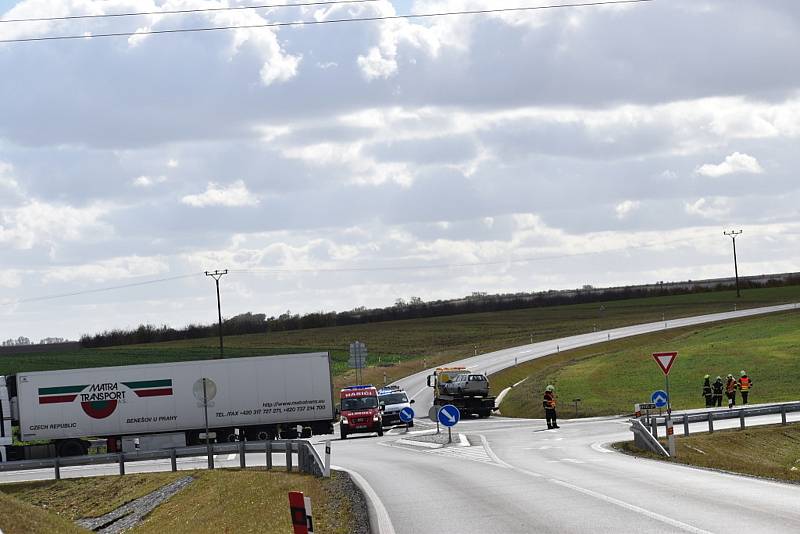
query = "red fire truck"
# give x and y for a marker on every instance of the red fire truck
(360, 410)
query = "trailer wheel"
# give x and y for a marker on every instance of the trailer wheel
(72, 447)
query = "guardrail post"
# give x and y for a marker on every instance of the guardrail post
(121, 463)
(57, 467)
(302, 458)
(268, 449)
(710, 422)
(288, 456)
(654, 428)
(685, 424)
(173, 457)
(741, 419)
(242, 461)
(783, 414)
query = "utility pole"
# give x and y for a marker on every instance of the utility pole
(216, 275)
(732, 234)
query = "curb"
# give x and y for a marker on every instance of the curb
(379, 521)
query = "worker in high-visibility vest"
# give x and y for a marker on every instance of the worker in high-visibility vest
(549, 405)
(718, 388)
(730, 390)
(708, 393)
(744, 386)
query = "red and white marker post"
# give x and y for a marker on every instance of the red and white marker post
(300, 510)
(665, 361)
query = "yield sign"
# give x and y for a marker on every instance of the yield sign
(665, 360)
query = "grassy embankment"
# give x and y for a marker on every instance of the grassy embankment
(611, 377)
(771, 452)
(217, 501)
(399, 348)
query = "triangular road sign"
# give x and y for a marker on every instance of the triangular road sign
(665, 360)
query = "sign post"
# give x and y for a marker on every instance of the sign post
(665, 361)
(358, 359)
(449, 416)
(407, 416)
(205, 390)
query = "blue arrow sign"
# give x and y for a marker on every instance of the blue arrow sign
(449, 415)
(659, 398)
(407, 414)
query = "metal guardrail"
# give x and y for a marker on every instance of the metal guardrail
(742, 413)
(643, 439)
(308, 461)
(645, 434)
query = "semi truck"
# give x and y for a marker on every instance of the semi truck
(468, 402)
(165, 405)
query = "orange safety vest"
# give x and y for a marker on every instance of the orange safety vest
(730, 386)
(744, 383)
(549, 400)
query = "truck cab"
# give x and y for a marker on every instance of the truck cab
(6, 438)
(360, 410)
(392, 399)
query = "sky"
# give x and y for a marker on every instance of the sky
(334, 166)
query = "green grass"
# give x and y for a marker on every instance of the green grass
(399, 348)
(77, 498)
(771, 452)
(19, 517)
(223, 500)
(611, 377)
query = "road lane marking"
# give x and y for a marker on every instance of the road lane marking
(598, 446)
(658, 517)
(622, 504)
(382, 522)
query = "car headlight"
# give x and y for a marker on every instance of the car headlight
(376, 417)
(344, 420)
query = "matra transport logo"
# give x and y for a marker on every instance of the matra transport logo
(100, 400)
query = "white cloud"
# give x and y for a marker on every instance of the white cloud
(736, 162)
(173, 163)
(39, 223)
(148, 181)
(626, 207)
(709, 209)
(233, 195)
(111, 269)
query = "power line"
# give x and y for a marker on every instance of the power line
(346, 270)
(454, 265)
(320, 22)
(187, 11)
(100, 290)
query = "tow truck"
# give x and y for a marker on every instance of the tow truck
(360, 410)
(468, 402)
(392, 400)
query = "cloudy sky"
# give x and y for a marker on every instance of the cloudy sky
(342, 165)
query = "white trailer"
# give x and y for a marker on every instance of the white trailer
(245, 398)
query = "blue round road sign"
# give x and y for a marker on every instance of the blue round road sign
(659, 398)
(449, 415)
(406, 414)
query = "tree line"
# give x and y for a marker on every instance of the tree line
(414, 308)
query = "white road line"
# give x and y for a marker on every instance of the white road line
(415, 443)
(598, 446)
(658, 517)
(611, 500)
(381, 522)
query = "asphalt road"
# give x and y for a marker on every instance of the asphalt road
(516, 477)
